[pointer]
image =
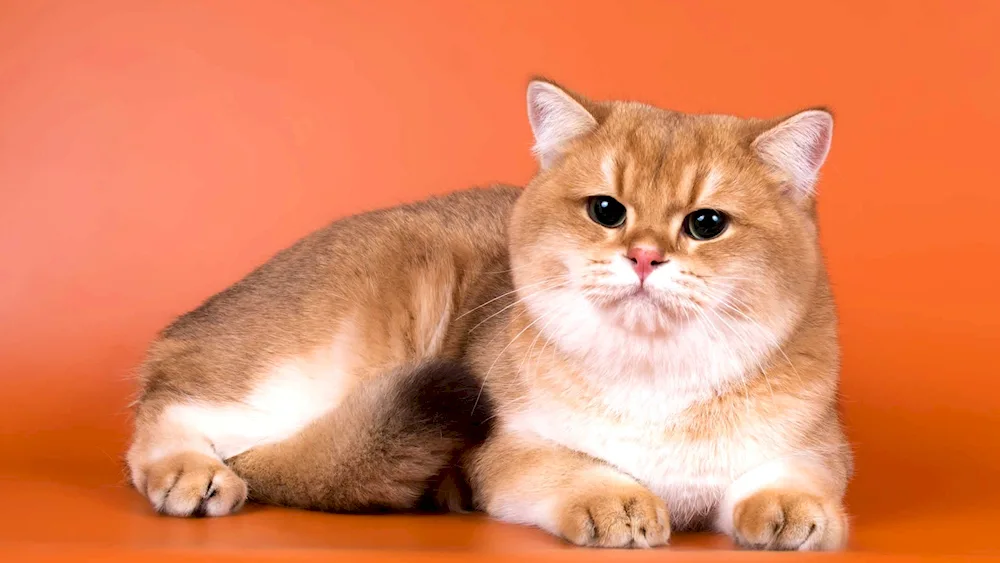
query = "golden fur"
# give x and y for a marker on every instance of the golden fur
(495, 343)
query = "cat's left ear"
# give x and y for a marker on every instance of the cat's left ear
(797, 147)
(557, 118)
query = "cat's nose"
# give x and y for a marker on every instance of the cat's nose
(644, 260)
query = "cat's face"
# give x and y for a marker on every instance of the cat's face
(655, 221)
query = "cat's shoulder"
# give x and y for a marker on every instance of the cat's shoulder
(469, 206)
(493, 198)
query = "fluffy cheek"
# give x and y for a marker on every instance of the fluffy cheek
(762, 284)
(739, 285)
(560, 251)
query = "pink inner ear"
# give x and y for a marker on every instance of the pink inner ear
(798, 146)
(820, 143)
(536, 113)
(539, 114)
(555, 119)
(540, 106)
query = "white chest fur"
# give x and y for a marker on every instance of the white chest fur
(690, 474)
(634, 410)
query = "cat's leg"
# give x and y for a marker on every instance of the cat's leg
(567, 494)
(788, 504)
(381, 445)
(196, 411)
(387, 446)
(176, 467)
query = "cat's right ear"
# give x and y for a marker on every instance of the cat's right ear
(797, 148)
(556, 119)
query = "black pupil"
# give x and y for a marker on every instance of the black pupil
(607, 211)
(706, 223)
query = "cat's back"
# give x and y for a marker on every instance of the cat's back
(382, 282)
(351, 255)
(476, 217)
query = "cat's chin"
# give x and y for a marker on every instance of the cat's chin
(646, 311)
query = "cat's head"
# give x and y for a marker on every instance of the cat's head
(652, 220)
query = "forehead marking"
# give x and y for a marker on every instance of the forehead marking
(609, 172)
(684, 189)
(707, 186)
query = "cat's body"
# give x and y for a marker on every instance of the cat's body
(604, 382)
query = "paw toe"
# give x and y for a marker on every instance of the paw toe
(779, 520)
(629, 518)
(193, 485)
(228, 494)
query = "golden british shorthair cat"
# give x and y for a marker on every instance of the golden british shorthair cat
(641, 340)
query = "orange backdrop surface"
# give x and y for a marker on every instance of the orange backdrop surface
(153, 152)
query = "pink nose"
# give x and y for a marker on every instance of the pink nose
(644, 260)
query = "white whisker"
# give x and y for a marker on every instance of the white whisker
(500, 355)
(530, 295)
(501, 296)
(531, 348)
(724, 301)
(722, 340)
(749, 350)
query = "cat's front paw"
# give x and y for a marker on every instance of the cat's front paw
(192, 484)
(789, 520)
(616, 516)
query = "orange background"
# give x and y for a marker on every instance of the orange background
(152, 153)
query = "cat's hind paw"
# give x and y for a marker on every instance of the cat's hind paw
(193, 484)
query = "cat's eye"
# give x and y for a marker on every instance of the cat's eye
(705, 224)
(606, 211)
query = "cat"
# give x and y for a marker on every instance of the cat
(640, 341)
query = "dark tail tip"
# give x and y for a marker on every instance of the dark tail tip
(404, 453)
(447, 395)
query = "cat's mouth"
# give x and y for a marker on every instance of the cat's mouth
(670, 301)
(657, 301)
(642, 292)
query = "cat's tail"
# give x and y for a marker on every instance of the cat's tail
(393, 444)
